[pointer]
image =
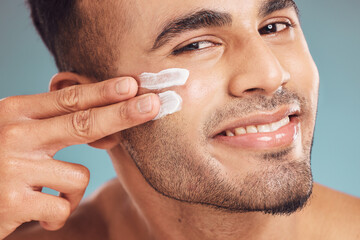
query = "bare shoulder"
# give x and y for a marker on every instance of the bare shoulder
(333, 214)
(89, 221)
(340, 205)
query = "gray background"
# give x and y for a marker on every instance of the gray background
(333, 33)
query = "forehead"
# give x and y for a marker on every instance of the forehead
(155, 14)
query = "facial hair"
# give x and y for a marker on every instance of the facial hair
(183, 169)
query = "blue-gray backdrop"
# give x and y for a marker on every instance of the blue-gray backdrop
(333, 33)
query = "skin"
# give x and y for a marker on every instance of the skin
(62, 117)
(128, 207)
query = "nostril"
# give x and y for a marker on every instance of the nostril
(251, 90)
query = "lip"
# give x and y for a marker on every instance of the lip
(282, 137)
(259, 119)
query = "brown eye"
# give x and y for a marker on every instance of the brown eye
(194, 46)
(274, 28)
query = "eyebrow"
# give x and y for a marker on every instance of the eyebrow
(271, 6)
(193, 21)
(209, 18)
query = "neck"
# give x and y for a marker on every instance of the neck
(187, 221)
(167, 218)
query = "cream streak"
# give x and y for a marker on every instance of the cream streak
(171, 102)
(167, 78)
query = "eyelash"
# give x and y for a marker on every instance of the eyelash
(287, 26)
(193, 45)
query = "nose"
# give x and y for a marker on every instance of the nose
(257, 70)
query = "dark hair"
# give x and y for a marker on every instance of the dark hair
(75, 37)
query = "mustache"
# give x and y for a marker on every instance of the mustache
(240, 107)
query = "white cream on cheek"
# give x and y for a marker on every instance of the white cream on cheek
(166, 78)
(171, 102)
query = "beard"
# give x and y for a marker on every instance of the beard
(180, 166)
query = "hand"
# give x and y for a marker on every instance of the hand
(33, 128)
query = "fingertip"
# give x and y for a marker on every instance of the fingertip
(133, 86)
(124, 87)
(148, 105)
(53, 226)
(131, 80)
(156, 103)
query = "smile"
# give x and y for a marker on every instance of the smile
(263, 131)
(271, 127)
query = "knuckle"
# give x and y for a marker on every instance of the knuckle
(9, 104)
(68, 98)
(9, 100)
(81, 123)
(10, 199)
(10, 132)
(105, 91)
(9, 168)
(124, 112)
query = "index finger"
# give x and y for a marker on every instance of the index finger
(73, 98)
(90, 125)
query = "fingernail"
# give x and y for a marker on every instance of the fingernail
(123, 87)
(144, 105)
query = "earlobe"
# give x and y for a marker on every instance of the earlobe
(66, 79)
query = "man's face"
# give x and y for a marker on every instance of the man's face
(249, 65)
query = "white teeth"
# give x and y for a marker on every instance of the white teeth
(264, 128)
(229, 133)
(276, 125)
(240, 131)
(285, 121)
(251, 129)
(272, 127)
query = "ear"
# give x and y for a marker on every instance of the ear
(66, 79)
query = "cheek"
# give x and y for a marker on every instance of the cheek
(196, 90)
(305, 78)
(305, 82)
(303, 71)
(203, 92)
